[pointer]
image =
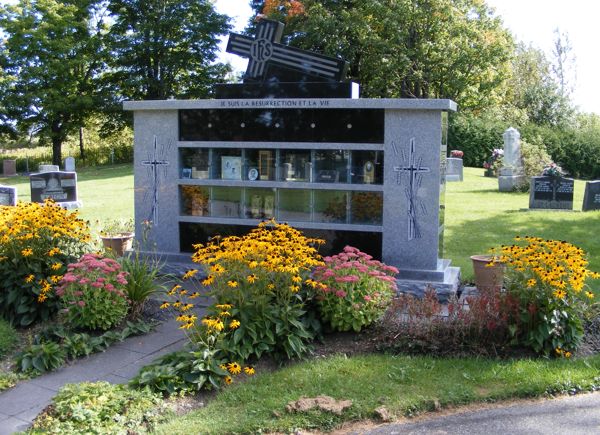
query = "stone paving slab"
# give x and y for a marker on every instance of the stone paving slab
(118, 364)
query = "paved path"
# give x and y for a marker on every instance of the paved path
(577, 415)
(119, 363)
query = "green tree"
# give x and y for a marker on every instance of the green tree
(51, 58)
(408, 48)
(165, 48)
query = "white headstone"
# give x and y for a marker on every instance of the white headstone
(48, 168)
(512, 149)
(70, 164)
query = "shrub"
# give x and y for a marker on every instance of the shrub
(100, 407)
(261, 275)
(189, 371)
(40, 358)
(8, 337)
(142, 276)
(355, 290)
(535, 159)
(92, 293)
(413, 325)
(546, 278)
(37, 241)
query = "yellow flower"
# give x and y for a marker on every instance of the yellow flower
(228, 380)
(27, 252)
(271, 286)
(567, 354)
(234, 324)
(294, 288)
(224, 314)
(190, 273)
(560, 294)
(194, 295)
(187, 307)
(234, 368)
(54, 251)
(232, 283)
(558, 351)
(173, 289)
(42, 297)
(249, 370)
(223, 366)
(589, 295)
(208, 281)
(165, 305)
(531, 283)
(224, 306)
(56, 266)
(296, 279)
(251, 278)
(29, 278)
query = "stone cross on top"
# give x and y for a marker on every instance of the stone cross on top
(265, 49)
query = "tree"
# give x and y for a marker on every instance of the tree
(165, 48)
(407, 48)
(563, 66)
(533, 88)
(52, 58)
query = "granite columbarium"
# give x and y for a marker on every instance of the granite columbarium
(291, 143)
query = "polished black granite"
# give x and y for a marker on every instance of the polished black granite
(282, 125)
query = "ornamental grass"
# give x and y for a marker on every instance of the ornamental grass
(546, 279)
(37, 241)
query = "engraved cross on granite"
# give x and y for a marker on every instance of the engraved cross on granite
(153, 163)
(265, 49)
(412, 167)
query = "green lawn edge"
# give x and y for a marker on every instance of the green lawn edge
(405, 385)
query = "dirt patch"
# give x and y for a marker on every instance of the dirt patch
(324, 403)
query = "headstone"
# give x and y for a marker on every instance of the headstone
(551, 193)
(8, 195)
(377, 165)
(70, 164)
(591, 197)
(48, 168)
(58, 186)
(454, 169)
(511, 173)
(9, 168)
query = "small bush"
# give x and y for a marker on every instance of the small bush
(546, 279)
(413, 325)
(92, 293)
(7, 380)
(354, 289)
(8, 337)
(142, 276)
(261, 275)
(40, 358)
(37, 241)
(100, 407)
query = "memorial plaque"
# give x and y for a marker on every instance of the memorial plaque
(8, 195)
(591, 197)
(551, 193)
(58, 186)
(9, 168)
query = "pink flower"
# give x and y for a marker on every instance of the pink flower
(81, 303)
(97, 284)
(69, 277)
(340, 294)
(84, 281)
(367, 298)
(77, 294)
(109, 287)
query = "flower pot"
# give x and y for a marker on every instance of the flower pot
(487, 277)
(118, 243)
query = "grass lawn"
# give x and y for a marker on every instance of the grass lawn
(478, 217)
(405, 385)
(106, 192)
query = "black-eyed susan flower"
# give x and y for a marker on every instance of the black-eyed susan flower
(234, 324)
(249, 370)
(234, 368)
(190, 273)
(232, 283)
(165, 305)
(228, 380)
(29, 278)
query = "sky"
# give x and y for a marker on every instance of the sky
(530, 21)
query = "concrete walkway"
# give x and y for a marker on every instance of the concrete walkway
(118, 364)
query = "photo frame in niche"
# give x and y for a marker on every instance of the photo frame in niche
(231, 168)
(186, 173)
(253, 174)
(269, 207)
(369, 172)
(265, 157)
(328, 176)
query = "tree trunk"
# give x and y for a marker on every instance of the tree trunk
(81, 151)
(56, 137)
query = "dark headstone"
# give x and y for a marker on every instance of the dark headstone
(58, 186)
(9, 168)
(591, 197)
(8, 195)
(551, 193)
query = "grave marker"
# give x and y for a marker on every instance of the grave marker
(8, 195)
(58, 186)
(551, 193)
(591, 197)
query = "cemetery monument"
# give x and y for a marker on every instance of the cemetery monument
(291, 143)
(511, 173)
